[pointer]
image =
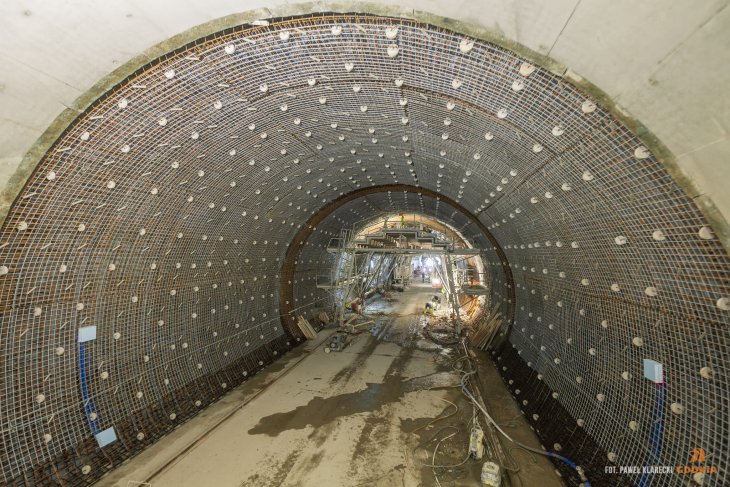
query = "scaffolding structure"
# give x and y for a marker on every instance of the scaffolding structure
(384, 256)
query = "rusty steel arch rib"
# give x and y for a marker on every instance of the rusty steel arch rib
(288, 267)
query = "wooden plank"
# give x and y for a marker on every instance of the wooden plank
(307, 330)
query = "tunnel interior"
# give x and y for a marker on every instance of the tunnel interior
(161, 249)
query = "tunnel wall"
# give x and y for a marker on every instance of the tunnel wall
(163, 213)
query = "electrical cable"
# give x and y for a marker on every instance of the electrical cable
(565, 460)
(439, 418)
(433, 457)
(432, 465)
(465, 391)
(465, 375)
(515, 472)
(655, 438)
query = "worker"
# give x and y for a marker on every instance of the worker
(402, 221)
(428, 309)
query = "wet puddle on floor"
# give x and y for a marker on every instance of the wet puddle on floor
(323, 410)
(320, 411)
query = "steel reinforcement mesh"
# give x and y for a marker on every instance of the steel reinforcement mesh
(162, 214)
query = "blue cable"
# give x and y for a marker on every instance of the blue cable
(88, 405)
(468, 394)
(572, 465)
(656, 437)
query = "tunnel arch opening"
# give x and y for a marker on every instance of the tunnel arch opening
(419, 245)
(337, 212)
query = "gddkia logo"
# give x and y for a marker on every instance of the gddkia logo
(697, 459)
(696, 467)
(697, 455)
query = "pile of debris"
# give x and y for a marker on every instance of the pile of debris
(441, 330)
(346, 333)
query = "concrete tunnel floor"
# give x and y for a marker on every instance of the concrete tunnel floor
(356, 417)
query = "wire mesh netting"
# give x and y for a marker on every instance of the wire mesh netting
(162, 215)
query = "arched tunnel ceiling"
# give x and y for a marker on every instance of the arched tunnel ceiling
(590, 39)
(164, 212)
